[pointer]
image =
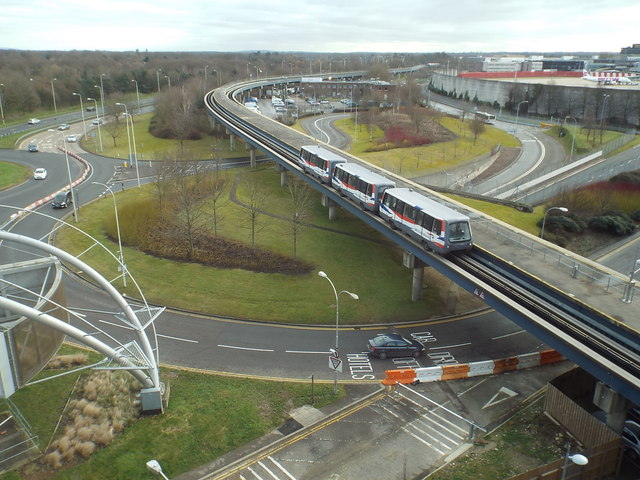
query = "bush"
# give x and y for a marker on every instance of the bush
(612, 224)
(563, 223)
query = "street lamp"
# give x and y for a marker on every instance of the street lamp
(137, 95)
(577, 458)
(168, 80)
(53, 94)
(73, 197)
(518, 110)
(89, 99)
(82, 112)
(1, 102)
(337, 295)
(155, 467)
(544, 218)
(158, 78)
(573, 137)
(129, 136)
(99, 87)
(604, 104)
(121, 253)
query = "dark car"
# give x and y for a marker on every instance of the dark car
(393, 345)
(62, 199)
(32, 147)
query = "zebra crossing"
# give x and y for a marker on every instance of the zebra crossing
(410, 428)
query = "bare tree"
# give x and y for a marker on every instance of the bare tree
(256, 198)
(188, 199)
(216, 189)
(477, 127)
(298, 209)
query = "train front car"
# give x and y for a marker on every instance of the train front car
(436, 226)
(319, 161)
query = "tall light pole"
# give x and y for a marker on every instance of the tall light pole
(137, 94)
(89, 99)
(205, 74)
(544, 218)
(573, 137)
(604, 104)
(84, 126)
(518, 110)
(337, 295)
(73, 197)
(2, 102)
(133, 135)
(168, 80)
(158, 78)
(99, 87)
(120, 252)
(53, 94)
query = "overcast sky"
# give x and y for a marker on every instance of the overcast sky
(321, 26)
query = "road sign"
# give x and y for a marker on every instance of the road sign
(335, 364)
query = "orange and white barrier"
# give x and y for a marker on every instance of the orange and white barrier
(474, 369)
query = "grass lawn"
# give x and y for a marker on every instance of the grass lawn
(116, 145)
(366, 264)
(13, 174)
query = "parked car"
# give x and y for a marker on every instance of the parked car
(631, 439)
(97, 121)
(33, 121)
(40, 174)
(32, 147)
(72, 138)
(394, 345)
(64, 126)
(62, 199)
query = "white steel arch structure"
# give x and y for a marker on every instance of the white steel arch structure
(139, 357)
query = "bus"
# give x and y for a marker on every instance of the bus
(485, 117)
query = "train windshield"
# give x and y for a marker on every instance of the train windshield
(459, 232)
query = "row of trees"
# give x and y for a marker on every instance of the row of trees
(30, 81)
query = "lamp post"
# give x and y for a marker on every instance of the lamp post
(53, 94)
(518, 110)
(604, 104)
(1, 102)
(137, 95)
(544, 218)
(573, 137)
(576, 458)
(120, 252)
(155, 467)
(158, 78)
(82, 112)
(168, 80)
(73, 197)
(99, 87)
(129, 136)
(205, 74)
(337, 295)
(89, 99)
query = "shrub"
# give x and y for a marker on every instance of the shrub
(615, 225)
(85, 449)
(54, 459)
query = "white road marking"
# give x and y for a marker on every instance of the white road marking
(246, 348)
(308, 351)
(450, 346)
(508, 335)
(178, 338)
(264, 467)
(282, 469)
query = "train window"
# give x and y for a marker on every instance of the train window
(437, 226)
(459, 232)
(410, 212)
(399, 207)
(361, 185)
(427, 221)
(369, 191)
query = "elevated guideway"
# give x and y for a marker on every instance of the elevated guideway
(576, 306)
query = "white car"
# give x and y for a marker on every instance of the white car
(64, 126)
(72, 138)
(33, 121)
(97, 121)
(40, 174)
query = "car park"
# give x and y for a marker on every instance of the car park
(62, 199)
(72, 138)
(32, 147)
(40, 173)
(33, 121)
(394, 345)
(64, 126)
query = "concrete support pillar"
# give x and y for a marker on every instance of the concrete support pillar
(613, 404)
(331, 205)
(283, 178)
(410, 261)
(232, 141)
(252, 157)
